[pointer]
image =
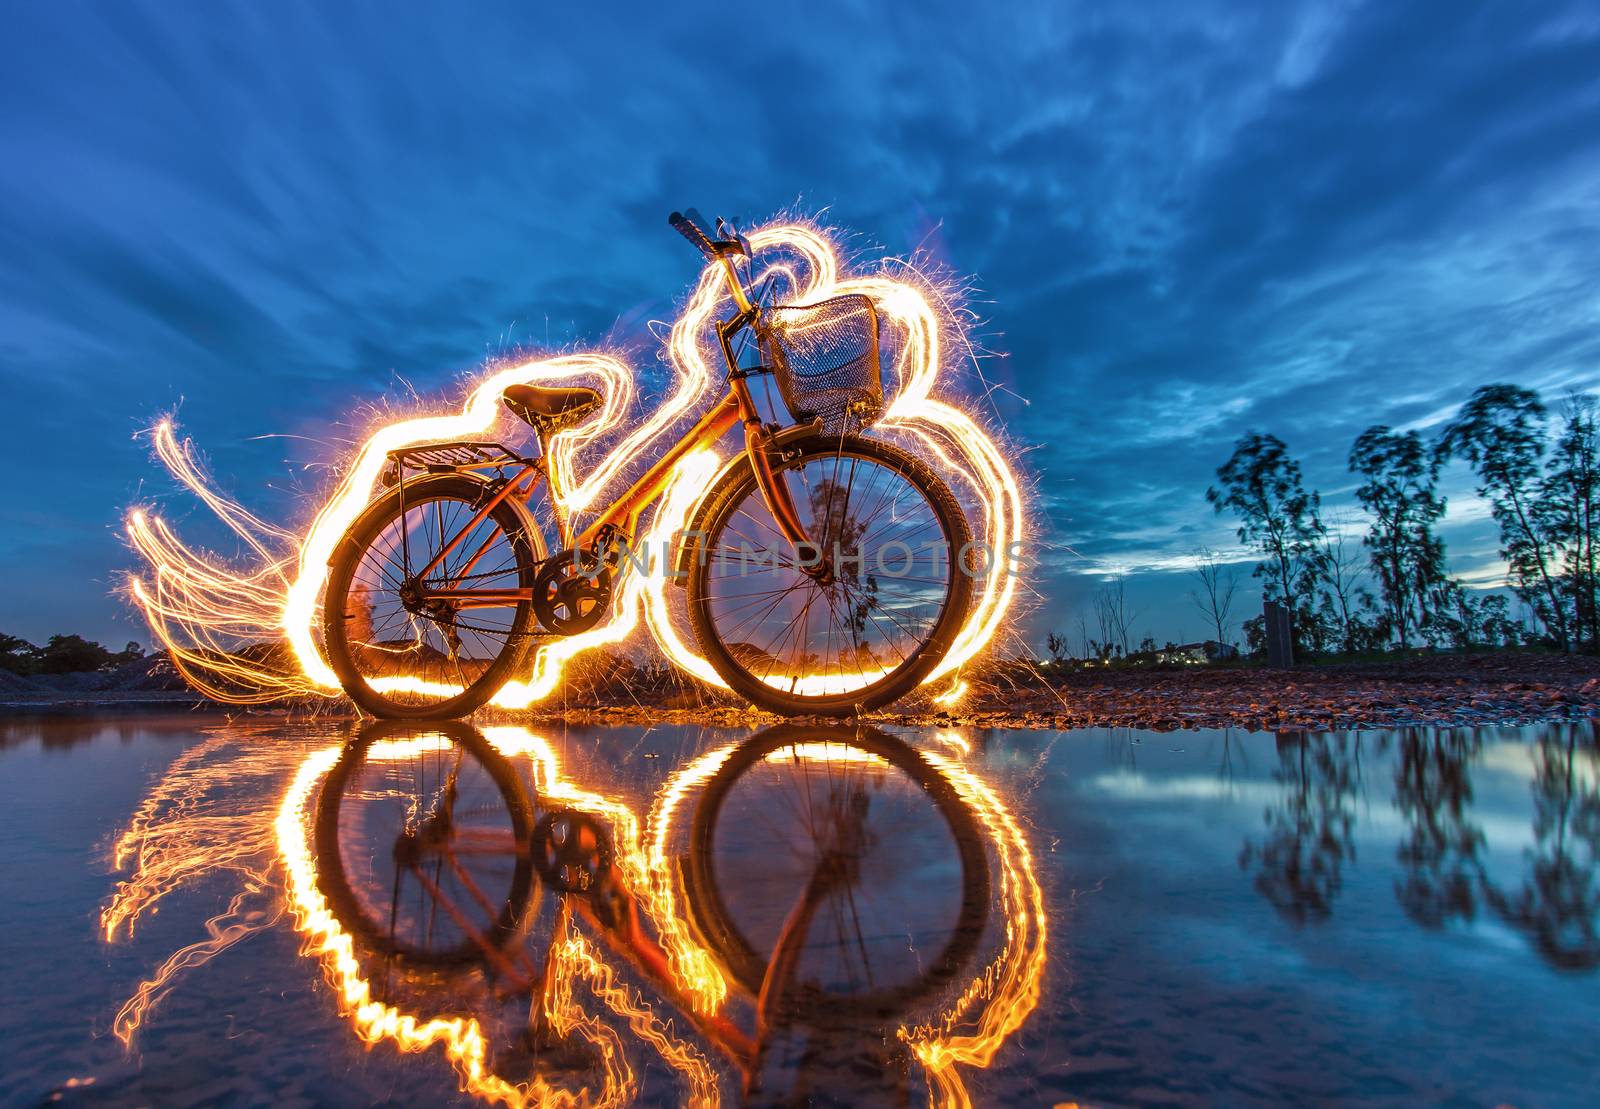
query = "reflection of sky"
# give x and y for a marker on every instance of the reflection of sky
(1168, 976)
(1182, 975)
(1187, 222)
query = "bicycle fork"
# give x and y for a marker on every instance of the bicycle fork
(761, 446)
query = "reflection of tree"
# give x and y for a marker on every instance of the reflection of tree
(1433, 791)
(1225, 772)
(1559, 901)
(1298, 862)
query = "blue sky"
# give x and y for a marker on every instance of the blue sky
(1185, 221)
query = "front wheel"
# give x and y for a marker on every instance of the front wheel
(858, 620)
(858, 836)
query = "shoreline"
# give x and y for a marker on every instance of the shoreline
(1437, 691)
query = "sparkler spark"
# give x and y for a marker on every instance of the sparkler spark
(203, 611)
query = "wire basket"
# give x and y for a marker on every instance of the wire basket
(825, 359)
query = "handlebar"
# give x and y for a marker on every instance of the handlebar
(716, 250)
(689, 227)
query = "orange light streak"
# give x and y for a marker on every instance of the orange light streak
(200, 818)
(969, 1031)
(202, 611)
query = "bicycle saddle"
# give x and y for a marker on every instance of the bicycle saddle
(546, 408)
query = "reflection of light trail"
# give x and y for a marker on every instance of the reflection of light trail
(954, 741)
(201, 610)
(200, 818)
(999, 999)
(825, 752)
(462, 1037)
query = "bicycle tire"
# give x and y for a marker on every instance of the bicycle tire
(709, 911)
(737, 488)
(528, 548)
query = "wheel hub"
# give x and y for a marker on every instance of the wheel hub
(411, 595)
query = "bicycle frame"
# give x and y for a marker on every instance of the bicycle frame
(618, 924)
(621, 517)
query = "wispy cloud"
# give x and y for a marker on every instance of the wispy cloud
(1187, 220)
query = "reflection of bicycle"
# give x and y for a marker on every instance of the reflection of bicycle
(891, 868)
(833, 876)
(826, 571)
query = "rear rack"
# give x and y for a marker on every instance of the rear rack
(453, 458)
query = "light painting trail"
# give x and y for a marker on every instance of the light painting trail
(204, 801)
(203, 611)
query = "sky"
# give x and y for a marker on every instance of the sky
(1182, 222)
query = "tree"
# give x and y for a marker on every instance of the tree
(1058, 647)
(842, 532)
(1214, 598)
(1261, 485)
(1113, 614)
(1567, 514)
(1342, 569)
(72, 654)
(1500, 431)
(1496, 627)
(1461, 623)
(1399, 493)
(17, 654)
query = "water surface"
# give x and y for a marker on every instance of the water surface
(1103, 917)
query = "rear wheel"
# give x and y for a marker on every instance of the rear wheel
(401, 655)
(422, 844)
(895, 585)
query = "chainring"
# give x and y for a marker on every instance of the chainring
(568, 600)
(571, 850)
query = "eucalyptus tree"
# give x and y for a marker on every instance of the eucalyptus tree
(1400, 495)
(1500, 431)
(1569, 517)
(1262, 486)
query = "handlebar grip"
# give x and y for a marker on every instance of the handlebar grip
(693, 232)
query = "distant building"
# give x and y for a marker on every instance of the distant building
(1197, 653)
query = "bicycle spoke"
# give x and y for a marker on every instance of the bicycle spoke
(870, 608)
(417, 650)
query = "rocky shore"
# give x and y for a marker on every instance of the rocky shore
(1440, 691)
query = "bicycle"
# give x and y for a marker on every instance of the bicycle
(831, 899)
(826, 571)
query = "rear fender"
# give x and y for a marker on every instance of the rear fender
(420, 486)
